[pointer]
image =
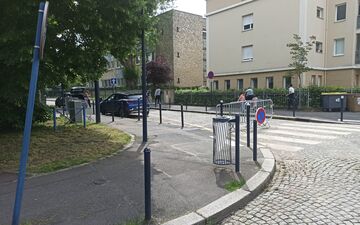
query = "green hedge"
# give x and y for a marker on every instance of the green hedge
(307, 97)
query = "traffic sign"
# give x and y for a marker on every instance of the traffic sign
(260, 115)
(211, 75)
(113, 81)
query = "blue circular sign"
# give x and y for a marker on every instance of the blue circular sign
(211, 75)
(260, 115)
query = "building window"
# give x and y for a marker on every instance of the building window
(270, 82)
(248, 22)
(247, 53)
(227, 84)
(254, 82)
(320, 12)
(178, 54)
(177, 29)
(341, 12)
(216, 85)
(319, 81)
(240, 84)
(313, 80)
(319, 47)
(339, 46)
(286, 81)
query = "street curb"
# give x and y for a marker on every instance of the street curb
(225, 205)
(300, 119)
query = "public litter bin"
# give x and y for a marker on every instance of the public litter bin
(353, 102)
(332, 101)
(75, 108)
(221, 141)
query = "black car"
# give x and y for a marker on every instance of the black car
(122, 104)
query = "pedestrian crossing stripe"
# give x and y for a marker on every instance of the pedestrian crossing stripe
(327, 127)
(300, 134)
(309, 130)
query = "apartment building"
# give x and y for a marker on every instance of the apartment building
(182, 45)
(246, 42)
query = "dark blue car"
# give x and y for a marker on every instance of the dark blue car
(122, 104)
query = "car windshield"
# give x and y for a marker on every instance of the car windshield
(134, 96)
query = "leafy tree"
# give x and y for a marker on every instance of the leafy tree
(79, 34)
(131, 76)
(299, 52)
(158, 72)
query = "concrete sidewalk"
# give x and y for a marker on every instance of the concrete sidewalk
(111, 191)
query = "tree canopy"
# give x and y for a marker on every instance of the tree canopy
(79, 34)
(299, 52)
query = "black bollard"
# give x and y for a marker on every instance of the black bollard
(294, 107)
(138, 109)
(54, 117)
(93, 107)
(255, 140)
(84, 116)
(342, 108)
(160, 111)
(221, 108)
(182, 116)
(248, 125)
(206, 105)
(147, 175)
(237, 143)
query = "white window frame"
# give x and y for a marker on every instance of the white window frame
(336, 12)
(251, 24)
(238, 82)
(247, 59)
(252, 82)
(321, 45)
(335, 41)
(321, 10)
(268, 83)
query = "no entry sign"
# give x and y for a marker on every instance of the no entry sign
(260, 115)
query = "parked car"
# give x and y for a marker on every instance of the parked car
(123, 104)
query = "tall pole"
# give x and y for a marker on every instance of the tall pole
(28, 119)
(97, 101)
(143, 81)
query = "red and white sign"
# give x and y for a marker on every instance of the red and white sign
(260, 115)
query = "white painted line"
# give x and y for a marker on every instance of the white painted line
(314, 130)
(287, 139)
(300, 134)
(289, 148)
(328, 126)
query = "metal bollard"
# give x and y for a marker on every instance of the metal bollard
(221, 108)
(342, 108)
(54, 118)
(147, 176)
(206, 105)
(84, 116)
(237, 143)
(138, 109)
(186, 106)
(182, 116)
(169, 103)
(160, 111)
(93, 107)
(255, 140)
(294, 107)
(248, 125)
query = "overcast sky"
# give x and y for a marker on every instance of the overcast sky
(192, 6)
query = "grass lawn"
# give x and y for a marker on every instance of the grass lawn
(54, 150)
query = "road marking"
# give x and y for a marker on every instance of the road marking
(315, 130)
(300, 134)
(287, 139)
(280, 147)
(327, 127)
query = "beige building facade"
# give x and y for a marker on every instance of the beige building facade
(246, 42)
(181, 44)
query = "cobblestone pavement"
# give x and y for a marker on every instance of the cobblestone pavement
(317, 185)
